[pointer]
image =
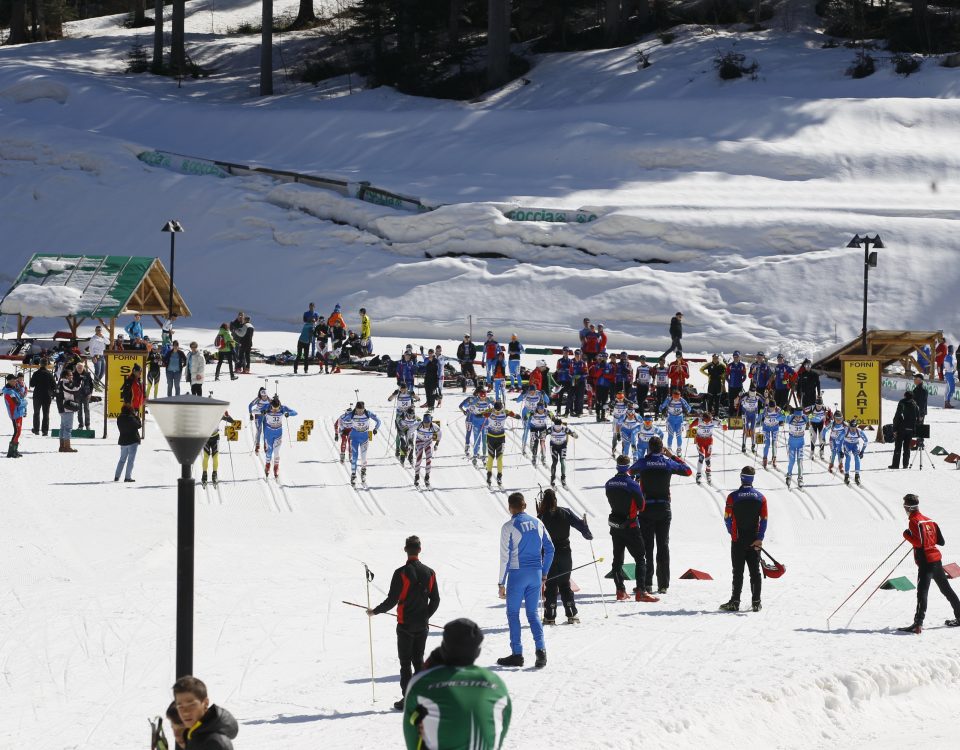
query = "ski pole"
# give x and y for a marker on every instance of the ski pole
(885, 578)
(863, 582)
(368, 574)
(596, 560)
(360, 606)
(568, 572)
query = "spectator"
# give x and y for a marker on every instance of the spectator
(601, 339)
(466, 354)
(514, 350)
(209, 727)
(96, 347)
(134, 331)
(807, 384)
(923, 358)
(154, 365)
(83, 395)
(338, 327)
(311, 316)
(678, 373)
(905, 426)
(716, 372)
(196, 364)
(246, 345)
(131, 392)
(949, 370)
(303, 348)
(584, 331)
(225, 345)
(128, 425)
(44, 387)
(175, 362)
(940, 353)
(177, 729)
(67, 407)
(920, 397)
(16, 404)
(676, 333)
(365, 331)
(117, 345)
(236, 326)
(166, 330)
(591, 345)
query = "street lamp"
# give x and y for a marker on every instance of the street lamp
(174, 227)
(869, 261)
(187, 423)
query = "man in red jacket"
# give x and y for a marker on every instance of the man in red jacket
(940, 354)
(679, 372)
(925, 535)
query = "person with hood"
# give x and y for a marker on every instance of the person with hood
(209, 727)
(67, 405)
(16, 404)
(128, 425)
(131, 392)
(196, 364)
(83, 395)
(44, 387)
(453, 703)
(225, 345)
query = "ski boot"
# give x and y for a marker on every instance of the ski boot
(466, 451)
(489, 479)
(500, 481)
(955, 623)
(396, 453)
(662, 590)
(573, 620)
(856, 478)
(800, 481)
(549, 620)
(913, 628)
(398, 705)
(698, 477)
(709, 479)
(846, 478)
(789, 480)
(756, 606)
(764, 462)
(622, 595)
(266, 470)
(543, 460)
(343, 457)
(553, 483)
(213, 478)
(774, 462)
(203, 480)
(363, 476)
(473, 461)
(541, 661)
(563, 482)
(426, 480)
(416, 481)
(256, 450)
(514, 660)
(830, 468)
(550, 614)
(731, 606)
(643, 596)
(743, 447)
(571, 612)
(821, 451)
(523, 452)
(753, 448)
(353, 480)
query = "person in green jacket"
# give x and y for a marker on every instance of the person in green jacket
(453, 704)
(224, 343)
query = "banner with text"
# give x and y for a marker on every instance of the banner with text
(860, 383)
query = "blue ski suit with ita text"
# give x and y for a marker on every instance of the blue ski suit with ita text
(526, 554)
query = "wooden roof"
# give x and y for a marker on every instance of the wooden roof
(890, 347)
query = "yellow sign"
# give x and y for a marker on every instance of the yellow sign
(735, 423)
(860, 380)
(232, 434)
(119, 366)
(308, 425)
(236, 424)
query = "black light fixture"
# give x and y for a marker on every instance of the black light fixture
(869, 261)
(174, 227)
(187, 423)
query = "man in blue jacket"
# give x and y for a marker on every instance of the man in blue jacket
(626, 503)
(526, 554)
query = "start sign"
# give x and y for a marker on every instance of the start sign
(860, 382)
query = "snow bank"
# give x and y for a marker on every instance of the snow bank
(42, 301)
(37, 88)
(43, 266)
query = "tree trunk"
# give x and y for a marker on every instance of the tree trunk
(139, 13)
(157, 36)
(266, 50)
(18, 22)
(611, 21)
(643, 12)
(919, 13)
(498, 42)
(178, 54)
(558, 24)
(306, 17)
(453, 26)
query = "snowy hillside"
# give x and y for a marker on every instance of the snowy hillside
(88, 606)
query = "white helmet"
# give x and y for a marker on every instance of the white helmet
(541, 363)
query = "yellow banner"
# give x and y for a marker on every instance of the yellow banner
(860, 388)
(119, 366)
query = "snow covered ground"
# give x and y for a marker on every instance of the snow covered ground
(88, 604)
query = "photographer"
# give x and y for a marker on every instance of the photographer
(905, 423)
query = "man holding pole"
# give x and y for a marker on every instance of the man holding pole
(746, 519)
(414, 592)
(925, 535)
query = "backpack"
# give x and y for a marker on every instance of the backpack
(219, 341)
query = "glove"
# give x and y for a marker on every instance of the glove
(374, 430)
(861, 454)
(251, 417)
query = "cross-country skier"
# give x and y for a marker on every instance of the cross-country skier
(537, 424)
(406, 427)
(426, 437)
(661, 384)
(489, 356)
(558, 435)
(474, 407)
(360, 436)
(675, 408)
(819, 416)
(749, 406)
(273, 415)
(746, 519)
(703, 439)
(641, 383)
(514, 350)
(526, 554)
(625, 497)
(531, 399)
(854, 444)
(495, 424)
(925, 535)
(647, 431)
(833, 434)
(341, 429)
(736, 377)
(796, 426)
(760, 373)
(716, 372)
(558, 521)
(770, 420)
(405, 399)
(618, 410)
(406, 370)
(255, 410)
(211, 449)
(627, 429)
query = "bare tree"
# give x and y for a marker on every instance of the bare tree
(498, 42)
(306, 17)
(138, 9)
(611, 21)
(18, 22)
(178, 55)
(266, 49)
(157, 65)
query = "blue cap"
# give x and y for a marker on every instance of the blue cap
(736, 353)
(747, 479)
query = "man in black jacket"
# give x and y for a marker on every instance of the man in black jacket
(558, 520)
(44, 386)
(920, 397)
(83, 395)
(414, 592)
(209, 727)
(676, 333)
(807, 384)
(905, 426)
(466, 354)
(625, 497)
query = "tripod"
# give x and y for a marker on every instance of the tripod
(924, 432)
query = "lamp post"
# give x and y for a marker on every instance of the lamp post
(869, 261)
(187, 423)
(174, 227)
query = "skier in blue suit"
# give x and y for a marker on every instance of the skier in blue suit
(360, 435)
(854, 444)
(531, 399)
(273, 415)
(770, 420)
(796, 425)
(676, 408)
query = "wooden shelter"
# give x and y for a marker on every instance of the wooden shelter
(109, 286)
(890, 347)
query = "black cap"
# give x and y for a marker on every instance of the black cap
(908, 395)
(911, 501)
(462, 639)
